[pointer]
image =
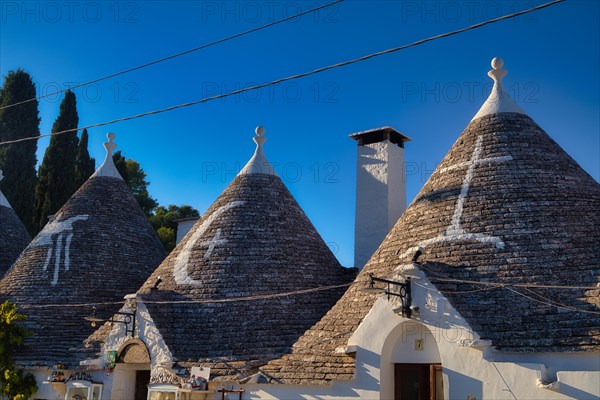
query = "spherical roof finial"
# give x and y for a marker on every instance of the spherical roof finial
(111, 136)
(497, 63)
(497, 73)
(260, 130)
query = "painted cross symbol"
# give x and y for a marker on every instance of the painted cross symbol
(180, 269)
(212, 243)
(454, 231)
(53, 236)
(455, 228)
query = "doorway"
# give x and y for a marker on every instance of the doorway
(142, 379)
(418, 382)
(132, 371)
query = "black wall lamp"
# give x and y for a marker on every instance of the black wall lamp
(128, 320)
(403, 292)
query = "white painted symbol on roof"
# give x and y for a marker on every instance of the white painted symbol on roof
(212, 243)
(53, 236)
(454, 231)
(180, 271)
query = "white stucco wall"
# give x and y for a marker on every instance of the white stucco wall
(120, 384)
(183, 227)
(380, 196)
(47, 391)
(123, 382)
(57, 392)
(470, 367)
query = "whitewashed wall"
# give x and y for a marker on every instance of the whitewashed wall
(471, 367)
(55, 392)
(183, 227)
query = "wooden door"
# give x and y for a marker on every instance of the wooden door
(142, 379)
(436, 382)
(418, 382)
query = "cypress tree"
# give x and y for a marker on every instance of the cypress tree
(56, 177)
(121, 166)
(84, 164)
(135, 177)
(18, 160)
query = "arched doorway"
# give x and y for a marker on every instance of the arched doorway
(132, 371)
(411, 366)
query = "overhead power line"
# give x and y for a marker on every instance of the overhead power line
(207, 301)
(487, 285)
(293, 77)
(551, 303)
(490, 286)
(524, 285)
(192, 50)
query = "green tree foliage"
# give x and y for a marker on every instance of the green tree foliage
(162, 218)
(121, 165)
(139, 185)
(18, 160)
(84, 164)
(56, 177)
(135, 177)
(13, 382)
(167, 237)
(163, 221)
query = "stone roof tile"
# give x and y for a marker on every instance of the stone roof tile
(237, 274)
(506, 205)
(99, 247)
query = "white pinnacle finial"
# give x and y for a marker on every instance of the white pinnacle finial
(498, 101)
(258, 164)
(3, 201)
(497, 63)
(497, 73)
(108, 167)
(110, 146)
(260, 139)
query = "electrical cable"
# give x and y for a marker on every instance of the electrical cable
(414, 282)
(204, 46)
(211, 301)
(491, 286)
(292, 77)
(558, 305)
(527, 285)
(509, 286)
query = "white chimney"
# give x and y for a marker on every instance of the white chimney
(380, 188)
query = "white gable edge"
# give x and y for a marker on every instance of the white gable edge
(147, 332)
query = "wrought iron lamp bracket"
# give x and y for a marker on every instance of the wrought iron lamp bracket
(403, 292)
(128, 320)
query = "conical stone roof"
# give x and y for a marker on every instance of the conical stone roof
(98, 247)
(13, 235)
(506, 205)
(239, 289)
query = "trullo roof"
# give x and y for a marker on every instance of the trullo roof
(98, 247)
(250, 277)
(506, 205)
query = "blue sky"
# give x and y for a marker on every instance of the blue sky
(430, 92)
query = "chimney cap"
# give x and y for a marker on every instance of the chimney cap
(379, 135)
